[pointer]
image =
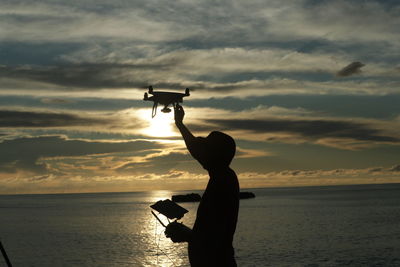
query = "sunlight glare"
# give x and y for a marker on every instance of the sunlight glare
(162, 125)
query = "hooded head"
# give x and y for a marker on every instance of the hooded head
(215, 151)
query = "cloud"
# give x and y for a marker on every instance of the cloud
(11, 118)
(321, 176)
(28, 153)
(175, 69)
(101, 75)
(312, 130)
(112, 81)
(126, 121)
(250, 153)
(224, 24)
(160, 163)
(376, 171)
(395, 168)
(351, 69)
(336, 21)
(210, 54)
(55, 50)
(55, 101)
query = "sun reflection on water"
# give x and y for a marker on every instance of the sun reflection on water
(157, 195)
(161, 251)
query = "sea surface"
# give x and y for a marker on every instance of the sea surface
(308, 226)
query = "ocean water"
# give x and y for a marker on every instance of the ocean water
(309, 226)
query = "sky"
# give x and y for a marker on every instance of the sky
(309, 89)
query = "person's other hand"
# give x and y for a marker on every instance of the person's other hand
(178, 232)
(179, 114)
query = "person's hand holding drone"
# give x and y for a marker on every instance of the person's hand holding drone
(178, 232)
(179, 114)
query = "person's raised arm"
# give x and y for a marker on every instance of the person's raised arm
(195, 145)
(188, 137)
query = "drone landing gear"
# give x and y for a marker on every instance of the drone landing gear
(154, 111)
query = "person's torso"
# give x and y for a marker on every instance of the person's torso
(216, 217)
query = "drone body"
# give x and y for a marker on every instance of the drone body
(164, 98)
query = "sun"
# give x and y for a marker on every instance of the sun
(162, 125)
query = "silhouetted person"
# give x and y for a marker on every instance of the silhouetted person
(210, 240)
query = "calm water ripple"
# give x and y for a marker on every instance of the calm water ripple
(313, 226)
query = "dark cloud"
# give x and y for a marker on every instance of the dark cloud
(376, 169)
(101, 75)
(25, 153)
(55, 101)
(367, 106)
(107, 75)
(14, 53)
(395, 168)
(43, 119)
(110, 76)
(315, 129)
(40, 178)
(73, 103)
(351, 69)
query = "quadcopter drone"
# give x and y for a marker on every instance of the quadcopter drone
(164, 98)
